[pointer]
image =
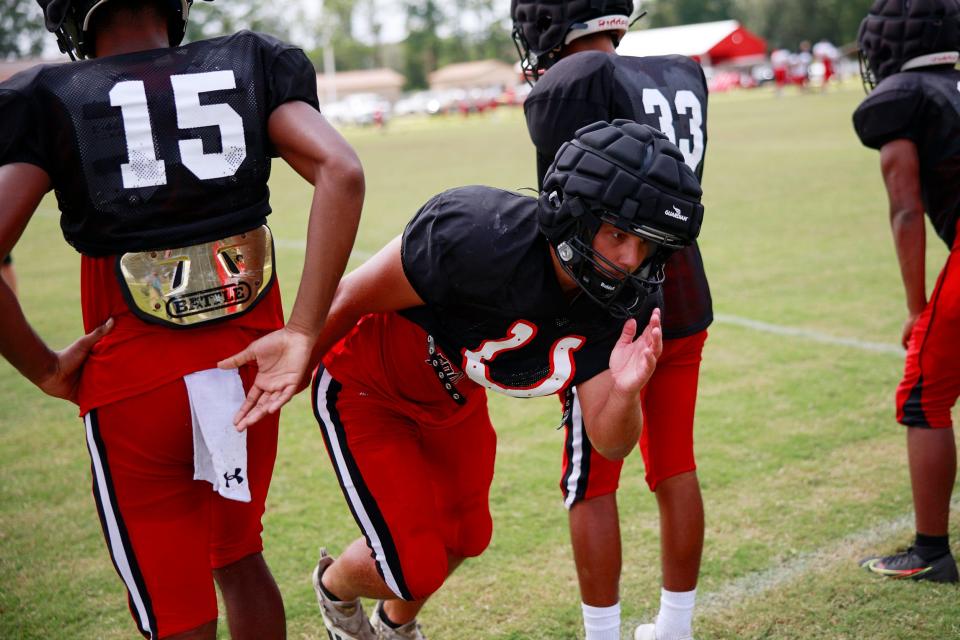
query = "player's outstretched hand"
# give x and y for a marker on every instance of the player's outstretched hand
(65, 379)
(282, 358)
(632, 361)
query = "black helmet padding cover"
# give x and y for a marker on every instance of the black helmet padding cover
(898, 31)
(633, 174)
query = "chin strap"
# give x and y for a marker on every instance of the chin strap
(66, 46)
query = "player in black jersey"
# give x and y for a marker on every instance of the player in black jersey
(488, 289)
(159, 157)
(909, 51)
(568, 48)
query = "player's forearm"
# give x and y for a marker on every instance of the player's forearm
(900, 166)
(19, 343)
(909, 237)
(334, 217)
(615, 429)
(343, 316)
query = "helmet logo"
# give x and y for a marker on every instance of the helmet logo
(676, 214)
(615, 22)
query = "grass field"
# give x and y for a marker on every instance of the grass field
(802, 466)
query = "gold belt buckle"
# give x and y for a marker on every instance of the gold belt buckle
(199, 284)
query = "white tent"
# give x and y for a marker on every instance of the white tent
(726, 41)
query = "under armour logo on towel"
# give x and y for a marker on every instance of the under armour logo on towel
(236, 476)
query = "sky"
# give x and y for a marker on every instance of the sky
(392, 20)
(391, 17)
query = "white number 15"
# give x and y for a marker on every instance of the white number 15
(143, 168)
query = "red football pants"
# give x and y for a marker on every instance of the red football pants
(931, 380)
(668, 401)
(166, 531)
(414, 466)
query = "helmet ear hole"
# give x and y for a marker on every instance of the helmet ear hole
(554, 199)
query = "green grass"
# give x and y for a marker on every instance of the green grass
(797, 448)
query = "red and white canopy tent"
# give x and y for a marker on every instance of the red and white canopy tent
(716, 44)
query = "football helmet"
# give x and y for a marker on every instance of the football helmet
(542, 27)
(70, 21)
(898, 35)
(628, 175)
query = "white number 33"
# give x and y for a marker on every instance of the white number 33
(654, 102)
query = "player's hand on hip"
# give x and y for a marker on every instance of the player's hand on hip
(908, 329)
(64, 381)
(282, 358)
(632, 361)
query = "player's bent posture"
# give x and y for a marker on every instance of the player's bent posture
(159, 156)
(487, 289)
(568, 47)
(912, 115)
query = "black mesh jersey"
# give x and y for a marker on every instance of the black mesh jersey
(476, 257)
(922, 106)
(156, 149)
(666, 92)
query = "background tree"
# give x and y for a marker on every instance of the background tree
(423, 46)
(212, 19)
(666, 13)
(21, 29)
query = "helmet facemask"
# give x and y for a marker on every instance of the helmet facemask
(867, 77)
(631, 177)
(620, 292)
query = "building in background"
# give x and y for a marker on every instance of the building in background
(726, 49)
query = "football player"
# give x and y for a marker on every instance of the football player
(487, 289)
(908, 53)
(159, 156)
(568, 48)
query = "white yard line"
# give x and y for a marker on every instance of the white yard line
(860, 544)
(843, 553)
(809, 334)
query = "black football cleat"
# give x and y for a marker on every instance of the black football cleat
(907, 565)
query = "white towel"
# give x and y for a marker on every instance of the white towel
(219, 450)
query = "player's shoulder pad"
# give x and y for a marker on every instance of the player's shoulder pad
(264, 41)
(656, 65)
(672, 60)
(20, 108)
(17, 94)
(24, 81)
(891, 111)
(475, 236)
(579, 69)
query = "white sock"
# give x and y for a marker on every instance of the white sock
(675, 620)
(601, 623)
